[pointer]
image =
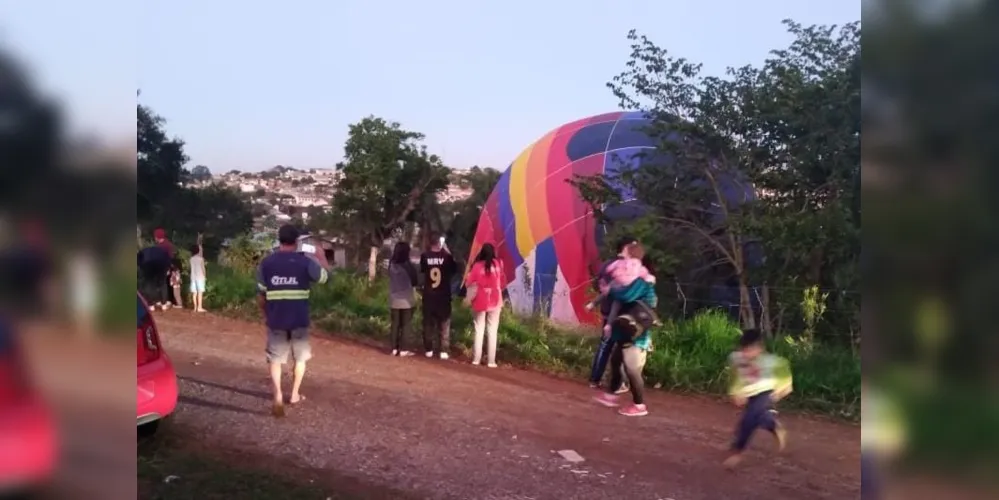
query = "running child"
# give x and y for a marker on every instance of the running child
(759, 379)
(625, 273)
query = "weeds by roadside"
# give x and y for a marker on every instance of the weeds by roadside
(688, 355)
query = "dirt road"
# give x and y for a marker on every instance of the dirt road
(448, 430)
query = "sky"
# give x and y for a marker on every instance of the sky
(249, 84)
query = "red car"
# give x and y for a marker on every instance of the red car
(28, 438)
(156, 387)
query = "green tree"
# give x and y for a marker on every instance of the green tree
(201, 173)
(160, 168)
(260, 209)
(164, 201)
(216, 212)
(788, 130)
(387, 175)
(464, 214)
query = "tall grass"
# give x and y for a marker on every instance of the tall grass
(687, 355)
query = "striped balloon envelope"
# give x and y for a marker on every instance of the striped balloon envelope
(542, 230)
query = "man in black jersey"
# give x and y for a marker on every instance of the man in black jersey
(438, 268)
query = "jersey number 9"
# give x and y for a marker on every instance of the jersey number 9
(435, 277)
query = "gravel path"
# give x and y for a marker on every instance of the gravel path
(448, 430)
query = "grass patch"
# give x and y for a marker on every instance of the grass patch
(688, 355)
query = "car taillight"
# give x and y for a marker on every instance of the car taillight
(148, 348)
(13, 381)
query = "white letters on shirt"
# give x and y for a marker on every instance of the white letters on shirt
(284, 280)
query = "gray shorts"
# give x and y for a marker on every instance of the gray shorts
(281, 343)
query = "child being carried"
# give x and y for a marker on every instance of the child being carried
(629, 280)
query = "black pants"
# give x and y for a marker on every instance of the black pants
(628, 365)
(437, 327)
(402, 320)
(155, 286)
(756, 415)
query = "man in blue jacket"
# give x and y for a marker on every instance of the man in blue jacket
(606, 347)
(283, 282)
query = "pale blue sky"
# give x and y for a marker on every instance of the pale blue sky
(251, 83)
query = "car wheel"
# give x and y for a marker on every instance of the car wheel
(149, 429)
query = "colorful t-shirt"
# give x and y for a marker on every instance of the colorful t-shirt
(488, 285)
(883, 422)
(767, 372)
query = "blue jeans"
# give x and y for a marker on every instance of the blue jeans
(756, 415)
(870, 486)
(600, 359)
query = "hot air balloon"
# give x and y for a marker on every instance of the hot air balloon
(542, 229)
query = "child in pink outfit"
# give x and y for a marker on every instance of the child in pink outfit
(623, 272)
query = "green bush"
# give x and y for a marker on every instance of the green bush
(688, 355)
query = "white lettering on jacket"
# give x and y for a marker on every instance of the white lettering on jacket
(284, 280)
(435, 261)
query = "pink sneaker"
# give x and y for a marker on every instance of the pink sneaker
(634, 411)
(608, 400)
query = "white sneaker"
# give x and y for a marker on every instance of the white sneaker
(405, 354)
(476, 363)
(492, 365)
(429, 354)
(444, 355)
(395, 352)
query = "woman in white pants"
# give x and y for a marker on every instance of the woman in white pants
(485, 295)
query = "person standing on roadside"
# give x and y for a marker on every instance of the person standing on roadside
(437, 266)
(485, 283)
(402, 296)
(606, 347)
(159, 236)
(154, 264)
(198, 278)
(283, 282)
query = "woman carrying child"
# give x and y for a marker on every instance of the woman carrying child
(632, 316)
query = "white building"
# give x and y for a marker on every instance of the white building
(310, 200)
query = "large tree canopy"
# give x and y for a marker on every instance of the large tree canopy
(165, 201)
(790, 128)
(464, 214)
(388, 178)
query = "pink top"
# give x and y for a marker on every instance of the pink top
(489, 286)
(626, 270)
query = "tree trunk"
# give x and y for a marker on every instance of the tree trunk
(414, 237)
(373, 263)
(745, 304)
(765, 321)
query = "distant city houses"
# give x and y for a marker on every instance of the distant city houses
(280, 190)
